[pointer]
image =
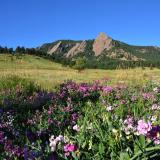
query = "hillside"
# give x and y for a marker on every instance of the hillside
(102, 52)
(49, 74)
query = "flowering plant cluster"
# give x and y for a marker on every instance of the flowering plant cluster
(80, 121)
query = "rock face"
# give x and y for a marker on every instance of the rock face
(78, 48)
(54, 48)
(101, 43)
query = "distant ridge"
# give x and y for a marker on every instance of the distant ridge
(103, 49)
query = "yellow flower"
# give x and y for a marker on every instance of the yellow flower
(114, 131)
(78, 153)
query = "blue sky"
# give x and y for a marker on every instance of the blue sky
(31, 23)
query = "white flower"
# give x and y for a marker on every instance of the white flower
(53, 145)
(153, 118)
(55, 141)
(155, 107)
(76, 128)
(109, 108)
(156, 89)
(60, 138)
(51, 138)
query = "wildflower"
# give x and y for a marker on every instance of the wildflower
(69, 148)
(1, 111)
(123, 101)
(157, 141)
(49, 112)
(107, 89)
(147, 96)
(155, 107)
(2, 138)
(60, 138)
(54, 142)
(143, 127)
(128, 125)
(154, 134)
(50, 121)
(109, 108)
(133, 98)
(74, 116)
(82, 88)
(156, 89)
(153, 118)
(76, 128)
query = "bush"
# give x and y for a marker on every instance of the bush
(80, 64)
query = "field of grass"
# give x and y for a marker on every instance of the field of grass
(48, 74)
(77, 121)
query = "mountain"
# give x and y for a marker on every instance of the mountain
(101, 52)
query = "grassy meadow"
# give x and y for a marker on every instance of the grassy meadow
(48, 74)
(77, 121)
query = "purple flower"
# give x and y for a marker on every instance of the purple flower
(1, 111)
(129, 125)
(74, 116)
(107, 89)
(83, 88)
(147, 96)
(123, 101)
(2, 138)
(143, 127)
(154, 134)
(133, 98)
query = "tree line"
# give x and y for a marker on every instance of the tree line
(20, 50)
(82, 62)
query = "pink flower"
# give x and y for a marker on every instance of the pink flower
(143, 127)
(50, 121)
(123, 101)
(49, 112)
(67, 109)
(129, 126)
(83, 88)
(74, 116)
(107, 89)
(69, 148)
(147, 96)
(157, 141)
(133, 98)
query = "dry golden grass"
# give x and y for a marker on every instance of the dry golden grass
(49, 74)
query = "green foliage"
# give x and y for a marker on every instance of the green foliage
(80, 64)
(106, 119)
(11, 82)
(147, 55)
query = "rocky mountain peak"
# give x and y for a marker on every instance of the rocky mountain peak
(101, 43)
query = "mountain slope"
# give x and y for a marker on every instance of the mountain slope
(102, 50)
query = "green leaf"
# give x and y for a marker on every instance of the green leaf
(74, 156)
(124, 156)
(101, 148)
(142, 141)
